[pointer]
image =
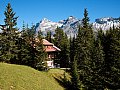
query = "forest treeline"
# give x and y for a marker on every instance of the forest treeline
(94, 57)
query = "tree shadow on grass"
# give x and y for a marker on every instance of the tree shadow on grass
(64, 83)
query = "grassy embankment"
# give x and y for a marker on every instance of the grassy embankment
(18, 77)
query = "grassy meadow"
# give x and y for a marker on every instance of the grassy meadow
(18, 77)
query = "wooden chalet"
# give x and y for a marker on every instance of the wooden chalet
(51, 50)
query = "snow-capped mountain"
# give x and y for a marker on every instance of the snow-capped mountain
(70, 25)
(46, 25)
(105, 23)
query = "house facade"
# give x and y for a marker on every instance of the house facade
(51, 50)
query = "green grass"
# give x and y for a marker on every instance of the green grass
(59, 73)
(18, 77)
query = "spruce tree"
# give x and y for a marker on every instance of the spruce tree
(40, 53)
(84, 42)
(32, 49)
(9, 36)
(58, 36)
(24, 47)
(72, 49)
(62, 42)
(85, 20)
(76, 85)
(112, 60)
(10, 19)
(65, 58)
(97, 64)
(48, 37)
(23, 27)
(23, 54)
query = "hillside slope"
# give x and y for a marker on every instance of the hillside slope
(17, 77)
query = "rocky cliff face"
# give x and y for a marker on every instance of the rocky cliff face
(70, 25)
(105, 23)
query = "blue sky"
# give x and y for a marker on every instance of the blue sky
(32, 11)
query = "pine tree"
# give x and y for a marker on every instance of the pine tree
(58, 36)
(23, 54)
(40, 53)
(72, 49)
(24, 47)
(9, 36)
(65, 58)
(31, 50)
(112, 60)
(61, 41)
(10, 20)
(76, 85)
(97, 65)
(85, 20)
(48, 37)
(84, 42)
(23, 27)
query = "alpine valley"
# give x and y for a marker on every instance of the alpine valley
(71, 24)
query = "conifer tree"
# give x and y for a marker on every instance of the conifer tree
(97, 65)
(76, 85)
(40, 53)
(84, 48)
(85, 20)
(58, 36)
(9, 35)
(31, 50)
(112, 60)
(72, 49)
(23, 46)
(10, 20)
(61, 41)
(48, 37)
(23, 54)
(23, 27)
(65, 58)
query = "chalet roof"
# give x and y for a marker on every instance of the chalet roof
(52, 47)
(45, 42)
(56, 48)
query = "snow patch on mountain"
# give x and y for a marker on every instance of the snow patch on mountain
(46, 25)
(70, 25)
(105, 23)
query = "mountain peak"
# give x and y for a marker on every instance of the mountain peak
(71, 17)
(44, 20)
(105, 23)
(70, 25)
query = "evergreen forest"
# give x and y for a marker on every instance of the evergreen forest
(93, 57)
